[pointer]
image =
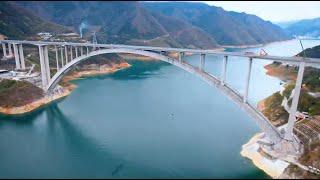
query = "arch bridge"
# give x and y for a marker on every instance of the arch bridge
(67, 55)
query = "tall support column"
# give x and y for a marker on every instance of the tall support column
(62, 60)
(16, 56)
(66, 54)
(71, 52)
(294, 105)
(4, 49)
(10, 50)
(43, 67)
(57, 59)
(76, 51)
(224, 70)
(81, 50)
(202, 59)
(87, 50)
(46, 60)
(245, 97)
(181, 54)
(23, 65)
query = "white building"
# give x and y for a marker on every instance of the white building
(44, 35)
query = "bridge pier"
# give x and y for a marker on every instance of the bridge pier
(46, 60)
(71, 52)
(202, 60)
(181, 55)
(43, 66)
(10, 50)
(66, 54)
(291, 145)
(81, 50)
(62, 60)
(16, 56)
(23, 64)
(294, 105)
(224, 70)
(87, 50)
(76, 48)
(245, 97)
(4, 49)
(57, 59)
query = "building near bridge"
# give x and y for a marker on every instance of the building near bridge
(45, 35)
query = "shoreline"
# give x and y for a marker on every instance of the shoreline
(85, 73)
(270, 72)
(34, 105)
(146, 58)
(273, 168)
(67, 90)
(261, 105)
(256, 45)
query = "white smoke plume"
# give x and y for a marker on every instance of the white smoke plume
(81, 27)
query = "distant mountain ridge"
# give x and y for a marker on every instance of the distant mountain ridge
(227, 28)
(306, 27)
(285, 24)
(189, 25)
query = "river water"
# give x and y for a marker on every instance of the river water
(152, 120)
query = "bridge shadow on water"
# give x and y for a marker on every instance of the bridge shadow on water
(94, 161)
(84, 159)
(75, 153)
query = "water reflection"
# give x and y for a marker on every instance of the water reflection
(99, 160)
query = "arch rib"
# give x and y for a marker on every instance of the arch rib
(272, 132)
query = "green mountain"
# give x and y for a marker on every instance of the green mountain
(313, 52)
(17, 22)
(172, 24)
(227, 28)
(307, 27)
(122, 22)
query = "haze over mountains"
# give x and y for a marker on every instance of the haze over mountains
(307, 27)
(174, 24)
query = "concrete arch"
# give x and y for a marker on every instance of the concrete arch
(272, 132)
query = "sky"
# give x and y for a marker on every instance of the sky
(274, 11)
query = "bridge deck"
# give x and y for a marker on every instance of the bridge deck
(166, 49)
